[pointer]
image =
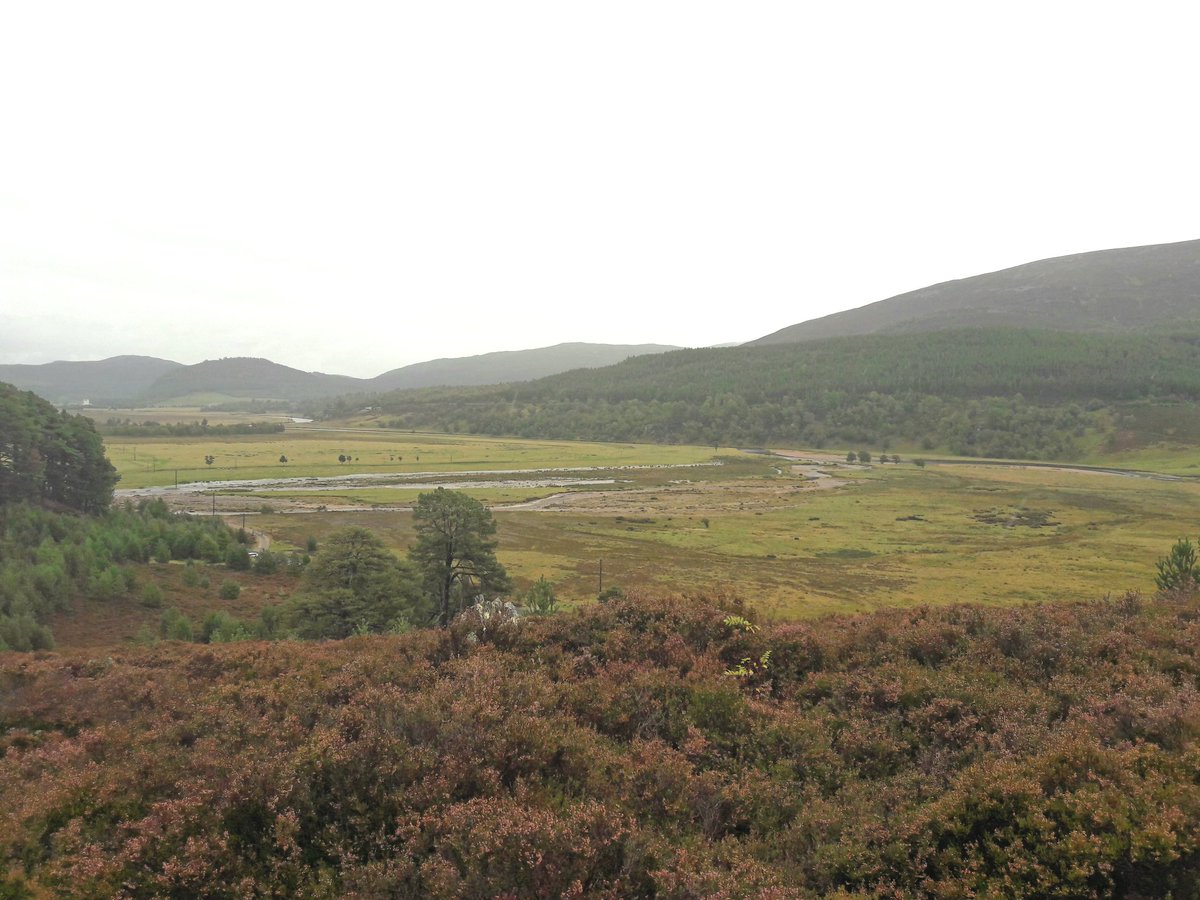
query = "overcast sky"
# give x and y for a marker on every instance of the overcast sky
(353, 187)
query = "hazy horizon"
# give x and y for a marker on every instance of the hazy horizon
(356, 192)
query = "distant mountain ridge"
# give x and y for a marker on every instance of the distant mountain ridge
(118, 378)
(1146, 288)
(511, 365)
(140, 379)
(249, 377)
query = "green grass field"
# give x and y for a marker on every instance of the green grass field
(889, 535)
(893, 536)
(311, 452)
(170, 415)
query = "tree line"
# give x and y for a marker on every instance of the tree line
(202, 428)
(51, 456)
(48, 559)
(975, 392)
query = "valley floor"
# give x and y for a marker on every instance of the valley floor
(797, 533)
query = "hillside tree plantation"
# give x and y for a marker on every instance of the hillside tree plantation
(48, 559)
(59, 539)
(977, 392)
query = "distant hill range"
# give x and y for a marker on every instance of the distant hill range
(120, 378)
(248, 377)
(1150, 288)
(510, 365)
(1036, 362)
(139, 379)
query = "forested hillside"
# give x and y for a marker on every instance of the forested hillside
(50, 456)
(249, 377)
(118, 379)
(985, 392)
(49, 560)
(634, 748)
(58, 538)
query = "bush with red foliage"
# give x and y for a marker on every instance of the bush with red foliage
(1041, 750)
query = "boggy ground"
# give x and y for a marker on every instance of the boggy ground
(857, 538)
(798, 535)
(794, 540)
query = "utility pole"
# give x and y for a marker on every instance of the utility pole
(214, 496)
(601, 591)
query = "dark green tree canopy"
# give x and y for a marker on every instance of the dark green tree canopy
(47, 455)
(355, 584)
(997, 392)
(454, 553)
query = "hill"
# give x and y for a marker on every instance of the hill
(983, 392)
(119, 378)
(122, 380)
(1147, 288)
(249, 377)
(510, 365)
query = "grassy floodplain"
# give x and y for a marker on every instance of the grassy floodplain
(172, 415)
(859, 539)
(889, 536)
(313, 452)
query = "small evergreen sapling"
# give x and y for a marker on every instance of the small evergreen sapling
(541, 600)
(1178, 570)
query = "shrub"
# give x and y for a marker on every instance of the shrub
(152, 596)
(174, 626)
(237, 557)
(540, 599)
(222, 628)
(1047, 750)
(108, 584)
(1178, 570)
(208, 549)
(191, 577)
(229, 590)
